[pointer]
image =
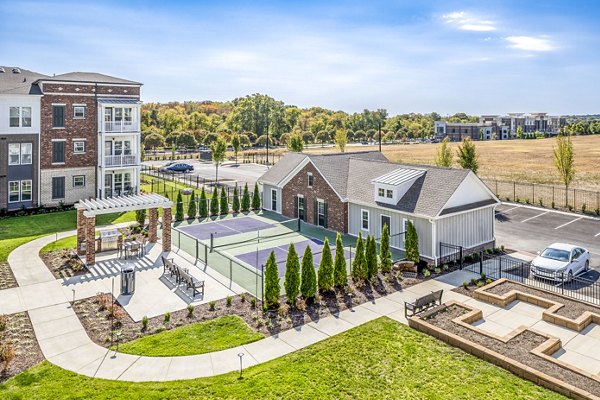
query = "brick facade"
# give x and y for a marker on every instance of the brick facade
(166, 229)
(337, 210)
(90, 240)
(152, 225)
(72, 194)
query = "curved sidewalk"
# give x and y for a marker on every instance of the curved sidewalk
(65, 343)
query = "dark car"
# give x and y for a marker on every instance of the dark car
(177, 167)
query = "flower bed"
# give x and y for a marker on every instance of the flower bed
(7, 279)
(62, 265)
(19, 349)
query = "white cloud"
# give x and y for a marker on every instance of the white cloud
(469, 22)
(530, 43)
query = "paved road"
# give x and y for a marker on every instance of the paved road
(531, 229)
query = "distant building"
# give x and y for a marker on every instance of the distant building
(500, 127)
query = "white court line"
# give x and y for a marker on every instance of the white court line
(539, 215)
(570, 222)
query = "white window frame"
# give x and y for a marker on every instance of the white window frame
(310, 179)
(362, 219)
(319, 203)
(75, 143)
(381, 192)
(80, 106)
(20, 117)
(18, 191)
(18, 154)
(23, 190)
(78, 176)
(389, 193)
(274, 195)
(10, 117)
(30, 154)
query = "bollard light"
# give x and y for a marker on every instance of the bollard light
(241, 356)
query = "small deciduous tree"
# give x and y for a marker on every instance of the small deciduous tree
(564, 160)
(371, 257)
(412, 243)
(519, 132)
(359, 268)
(256, 198)
(444, 156)
(385, 255)
(236, 143)
(325, 276)
(467, 155)
(235, 204)
(140, 217)
(179, 208)
(341, 139)
(223, 203)
(218, 149)
(246, 199)
(308, 286)
(291, 283)
(214, 202)
(340, 275)
(271, 282)
(203, 207)
(192, 206)
(295, 142)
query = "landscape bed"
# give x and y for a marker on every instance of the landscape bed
(16, 330)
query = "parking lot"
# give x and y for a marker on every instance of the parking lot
(531, 229)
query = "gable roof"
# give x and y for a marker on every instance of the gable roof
(22, 82)
(278, 172)
(90, 77)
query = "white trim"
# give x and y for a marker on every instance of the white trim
(95, 207)
(493, 205)
(290, 175)
(310, 180)
(480, 183)
(75, 144)
(59, 104)
(92, 94)
(18, 192)
(273, 190)
(362, 226)
(78, 176)
(58, 140)
(388, 209)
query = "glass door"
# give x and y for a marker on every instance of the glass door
(107, 185)
(118, 184)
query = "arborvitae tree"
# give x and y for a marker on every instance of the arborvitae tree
(214, 202)
(443, 157)
(292, 275)
(271, 282)
(246, 198)
(371, 257)
(340, 275)
(385, 255)
(326, 268)
(235, 205)
(140, 217)
(192, 206)
(179, 208)
(223, 203)
(359, 268)
(308, 286)
(203, 204)
(256, 198)
(412, 243)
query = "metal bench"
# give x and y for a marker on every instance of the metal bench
(192, 283)
(423, 303)
(169, 266)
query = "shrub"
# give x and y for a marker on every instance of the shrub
(426, 273)
(553, 205)
(243, 297)
(359, 267)
(271, 282)
(308, 284)
(192, 206)
(518, 200)
(385, 255)
(203, 206)
(527, 201)
(167, 318)
(583, 208)
(144, 323)
(570, 207)
(325, 274)
(7, 354)
(3, 322)
(541, 202)
(140, 217)
(223, 203)
(480, 284)
(179, 208)
(473, 281)
(103, 300)
(502, 248)
(235, 205)
(253, 302)
(214, 202)
(371, 257)
(291, 282)
(437, 270)
(116, 312)
(211, 305)
(465, 284)
(190, 309)
(229, 301)
(445, 267)
(483, 276)
(597, 211)
(256, 198)
(412, 243)
(245, 199)
(488, 281)
(340, 275)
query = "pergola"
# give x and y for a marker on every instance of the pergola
(88, 209)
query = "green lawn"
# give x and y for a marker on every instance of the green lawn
(202, 337)
(70, 242)
(15, 231)
(379, 360)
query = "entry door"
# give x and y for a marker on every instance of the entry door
(385, 221)
(108, 185)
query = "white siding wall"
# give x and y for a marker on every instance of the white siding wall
(266, 189)
(422, 225)
(7, 101)
(468, 229)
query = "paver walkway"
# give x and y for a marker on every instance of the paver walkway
(65, 343)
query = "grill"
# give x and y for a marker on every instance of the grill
(109, 239)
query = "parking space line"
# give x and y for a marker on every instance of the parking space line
(535, 216)
(570, 222)
(512, 208)
(597, 234)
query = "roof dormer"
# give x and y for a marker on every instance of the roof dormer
(390, 188)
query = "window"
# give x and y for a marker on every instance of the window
(79, 181)
(274, 199)
(321, 213)
(79, 112)
(26, 153)
(58, 187)
(310, 180)
(390, 194)
(364, 219)
(26, 190)
(20, 117)
(58, 116)
(14, 117)
(58, 152)
(381, 192)
(14, 152)
(13, 191)
(301, 211)
(79, 146)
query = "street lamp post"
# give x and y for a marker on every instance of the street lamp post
(241, 355)
(379, 128)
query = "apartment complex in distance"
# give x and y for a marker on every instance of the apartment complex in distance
(67, 137)
(500, 127)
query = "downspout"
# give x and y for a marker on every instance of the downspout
(97, 191)
(433, 241)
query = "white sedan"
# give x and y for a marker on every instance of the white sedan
(560, 261)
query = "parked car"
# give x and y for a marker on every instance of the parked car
(177, 167)
(560, 261)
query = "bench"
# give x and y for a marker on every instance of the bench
(192, 283)
(423, 303)
(169, 266)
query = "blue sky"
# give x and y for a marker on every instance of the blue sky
(407, 56)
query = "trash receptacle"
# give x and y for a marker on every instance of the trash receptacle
(128, 280)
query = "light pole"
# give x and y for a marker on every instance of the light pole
(379, 128)
(241, 356)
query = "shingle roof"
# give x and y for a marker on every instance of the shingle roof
(93, 77)
(284, 166)
(19, 83)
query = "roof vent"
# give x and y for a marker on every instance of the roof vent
(16, 71)
(1, 69)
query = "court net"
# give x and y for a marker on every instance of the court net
(281, 229)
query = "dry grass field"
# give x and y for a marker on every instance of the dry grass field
(514, 160)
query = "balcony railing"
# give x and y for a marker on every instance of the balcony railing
(121, 160)
(121, 126)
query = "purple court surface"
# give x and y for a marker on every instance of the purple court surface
(225, 227)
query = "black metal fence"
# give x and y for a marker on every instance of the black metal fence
(586, 201)
(451, 254)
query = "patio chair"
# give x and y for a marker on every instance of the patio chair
(134, 248)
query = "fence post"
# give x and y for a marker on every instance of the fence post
(533, 193)
(197, 250)
(514, 190)
(500, 267)
(461, 256)
(574, 200)
(562, 283)
(205, 255)
(553, 199)
(480, 263)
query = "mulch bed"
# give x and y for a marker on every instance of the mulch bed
(7, 279)
(517, 348)
(62, 265)
(97, 322)
(19, 333)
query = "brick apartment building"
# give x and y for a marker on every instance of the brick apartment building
(86, 128)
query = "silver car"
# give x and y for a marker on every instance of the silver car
(560, 261)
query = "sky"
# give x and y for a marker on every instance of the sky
(478, 57)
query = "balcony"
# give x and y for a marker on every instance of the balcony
(122, 160)
(121, 126)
